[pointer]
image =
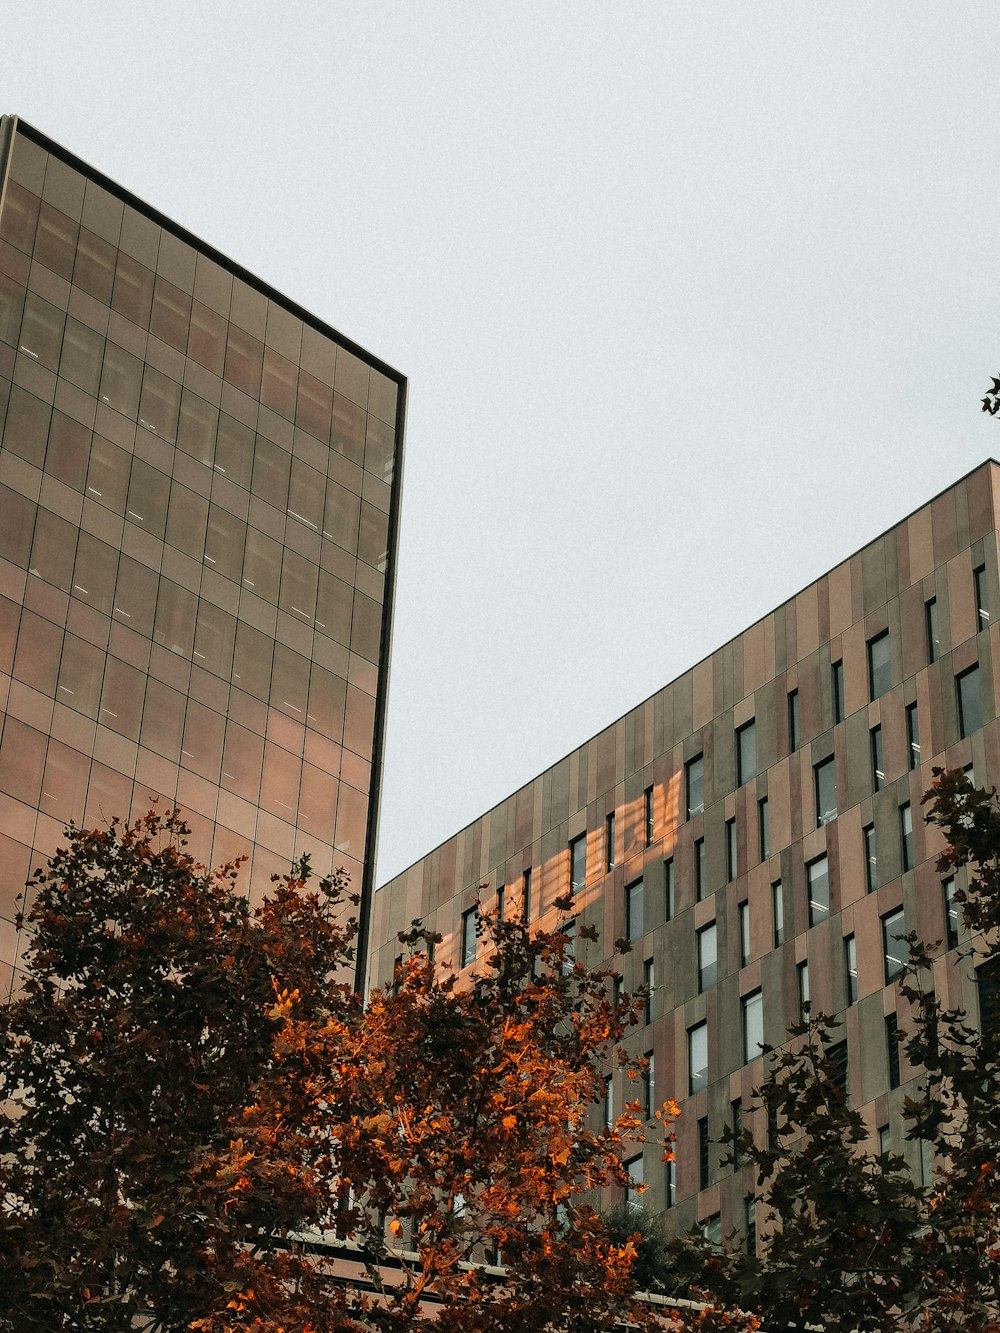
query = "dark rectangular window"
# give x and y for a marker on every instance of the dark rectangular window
(837, 673)
(893, 944)
(825, 787)
(818, 875)
(932, 630)
(851, 968)
(988, 985)
(871, 858)
(526, 896)
(793, 720)
(648, 1086)
(878, 763)
(669, 891)
(468, 937)
(704, 1155)
(670, 1184)
(697, 1058)
(837, 1057)
(634, 1188)
(700, 885)
(634, 913)
(884, 1141)
(982, 605)
(802, 978)
(906, 836)
(609, 841)
(970, 706)
(578, 864)
(501, 901)
(694, 785)
(913, 735)
(764, 828)
(649, 986)
(736, 1128)
(950, 912)
(746, 752)
(752, 1007)
(750, 1224)
(879, 666)
(647, 811)
(609, 1102)
(708, 956)
(892, 1049)
(744, 919)
(778, 912)
(731, 849)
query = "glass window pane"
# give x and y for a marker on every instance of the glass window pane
(306, 493)
(197, 424)
(53, 549)
(746, 752)
(225, 540)
(894, 946)
(242, 762)
(825, 781)
(327, 699)
(159, 404)
(289, 682)
(122, 697)
(95, 573)
(244, 358)
(280, 782)
(22, 758)
(55, 241)
(753, 1025)
(262, 565)
(970, 707)
(819, 890)
(879, 666)
(80, 675)
(694, 785)
(17, 527)
(708, 957)
(334, 607)
(135, 596)
(121, 380)
(203, 735)
(176, 613)
(697, 1058)
(171, 314)
(207, 338)
(163, 719)
(133, 291)
(932, 628)
(347, 433)
(317, 803)
(252, 661)
(342, 516)
(108, 477)
(27, 426)
(82, 357)
(234, 451)
(68, 455)
(64, 783)
(634, 911)
(187, 519)
(39, 647)
(297, 594)
(41, 331)
(148, 492)
(94, 271)
(215, 639)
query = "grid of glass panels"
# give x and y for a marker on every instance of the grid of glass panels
(196, 487)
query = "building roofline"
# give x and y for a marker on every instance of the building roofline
(133, 201)
(989, 460)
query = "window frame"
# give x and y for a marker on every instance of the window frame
(851, 968)
(746, 752)
(577, 853)
(697, 1034)
(906, 860)
(818, 911)
(635, 910)
(879, 672)
(694, 785)
(837, 690)
(913, 735)
(751, 1021)
(794, 721)
(893, 967)
(823, 772)
(708, 967)
(468, 939)
(973, 704)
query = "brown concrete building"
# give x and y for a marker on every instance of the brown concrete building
(199, 498)
(754, 829)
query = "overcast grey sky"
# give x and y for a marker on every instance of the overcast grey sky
(694, 299)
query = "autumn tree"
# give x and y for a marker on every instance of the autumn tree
(143, 1024)
(851, 1240)
(202, 1128)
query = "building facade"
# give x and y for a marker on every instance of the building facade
(199, 500)
(754, 830)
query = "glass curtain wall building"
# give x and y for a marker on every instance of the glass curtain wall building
(767, 848)
(199, 499)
